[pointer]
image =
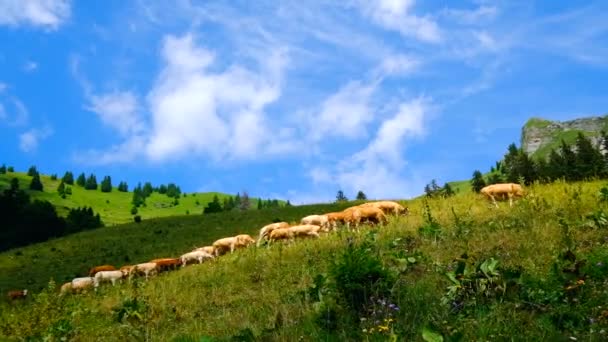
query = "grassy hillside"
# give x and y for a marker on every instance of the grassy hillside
(114, 207)
(72, 256)
(456, 268)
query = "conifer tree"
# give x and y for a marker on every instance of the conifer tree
(340, 197)
(91, 183)
(32, 171)
(68, 178)
(81, 180)
(477, 182)
(36, 184)
(106, 184)
(213, 207)
(2, 169)
(61, 188)
(589, 159)
(361, 195)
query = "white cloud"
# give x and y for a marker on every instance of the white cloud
(45, 13)
(12, 111)
(29, 140)
(399, 65)
(396, 15)
(118, 110)
(30, 66)
(378, 169)
(344, 114)
(477, 16)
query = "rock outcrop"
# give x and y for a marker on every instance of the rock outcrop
(539, 136)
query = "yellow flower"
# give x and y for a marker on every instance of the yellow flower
(383, 328)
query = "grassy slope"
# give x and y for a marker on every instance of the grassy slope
(72, 256)
(114, 207)
(250, 288)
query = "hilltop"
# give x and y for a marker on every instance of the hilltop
(455, 269)
(115, 207)
(539, 136)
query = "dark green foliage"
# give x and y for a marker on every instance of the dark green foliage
(2, 169)
(213, 206)
(61, 188)
(361, 195)
(245, 202)
(147, 189)
(54, 176)
(68, 178)
(123, 187)
(106, 184)
(32, 171)
(36, 184)
(81, 180)
(10, 169)
(138, 196)
(137, 219)
(434, 190)
(133, 210)
(477, 182)
(260, 204)
(358, 274)
(173, 190)
(288, 204)
(91, 183)
(25, 222)
(340, 197)
(162, 189)
(589, 160)
(495, 178)
(84, 218)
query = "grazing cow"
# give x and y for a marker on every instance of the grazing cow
(281, 234)
(267, 229)
(65, 288)
(17, 294)
(82, 283)
(127, 270)
(502, 191)
(368, 214)
(388, 207)
(231, 243)
(318, 220)
(305, 230)
(146, 268)
(166, 264)
(107, 276)
(96, 269)
(199, 256)
(208, 249)
(335, 218)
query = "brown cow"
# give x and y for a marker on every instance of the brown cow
(96, 269)
(166, 264)
(17, 294)
(502, 191)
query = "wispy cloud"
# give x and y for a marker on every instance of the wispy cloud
(12, 111)
(49, 14)
(29, 140)
(30, 66)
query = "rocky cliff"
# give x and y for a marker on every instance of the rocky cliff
(539, 136)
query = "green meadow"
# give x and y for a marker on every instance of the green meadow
(455, 269)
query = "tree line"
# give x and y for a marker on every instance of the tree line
(239, 202)
(25, 221)
(578, 161)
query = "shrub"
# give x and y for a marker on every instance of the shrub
(137, 219)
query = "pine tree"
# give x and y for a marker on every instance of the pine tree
(260, 205)
(361, 195)
(81, 180)
(340, 197)
(589, 159)
(106, 184)
(511, 161)
(245, 201)
(36, 184)
(569, 161)
(447, 190)
(138, 197)
(2, 169)
(32, 171)
(555, 166)
(61, 188)
(237, 200)
(147, 190)
(288, 204)
(477, 182)
(14, 185)
(213, 207)
(54, 176)
(123, 187)
(91, 183)
(10, 169)
(68, 178)
(162, 189)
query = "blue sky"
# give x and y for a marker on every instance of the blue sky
(290, 99)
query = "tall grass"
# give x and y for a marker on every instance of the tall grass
(455, 268)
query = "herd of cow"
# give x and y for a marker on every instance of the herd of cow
(372, 213)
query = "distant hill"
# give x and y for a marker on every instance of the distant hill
(115, 207)
(539, 136)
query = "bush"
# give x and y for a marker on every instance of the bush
(137, 219)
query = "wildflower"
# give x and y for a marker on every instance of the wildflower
(364, 330)
(363, 319)
(383, 328)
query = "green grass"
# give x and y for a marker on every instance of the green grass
(537, 123)
(269, 292)
(461, 187)
(114, 207)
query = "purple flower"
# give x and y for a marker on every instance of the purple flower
(396, 308)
